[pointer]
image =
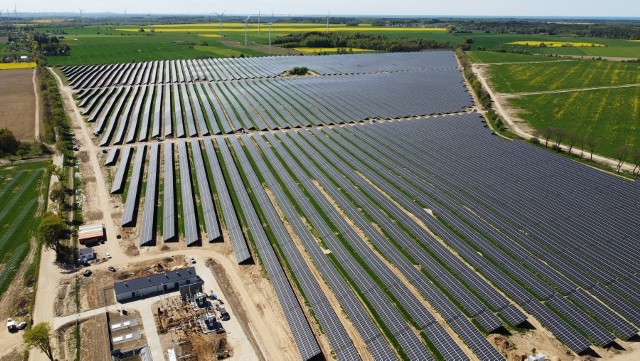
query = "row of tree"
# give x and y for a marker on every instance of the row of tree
(570, 138)
(318, 39)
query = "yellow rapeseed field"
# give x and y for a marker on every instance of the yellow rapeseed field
(553, 44)
(331, 50)
(8, 66)
(253, 27)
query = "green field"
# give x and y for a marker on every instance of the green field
(134, 47)
(494, 57)
(102, 45)
(612, 48)
(20, 211)
(517, 78)
(610, 116)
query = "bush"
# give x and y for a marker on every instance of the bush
(299, 70)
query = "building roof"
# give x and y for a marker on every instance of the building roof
(90, 231)
(155, 280)
(85, 251)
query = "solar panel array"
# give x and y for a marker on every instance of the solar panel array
(193, 105)
(429, 233)
(172, 71)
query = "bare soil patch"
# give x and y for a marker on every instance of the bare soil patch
(18, 110)
(258, 310)
(94, 340)
(97, 290)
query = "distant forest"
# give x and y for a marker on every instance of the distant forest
(347, 40)
(606, 29)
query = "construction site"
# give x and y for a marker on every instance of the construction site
(191, 327)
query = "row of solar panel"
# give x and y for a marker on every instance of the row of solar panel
(186, 162)
(437, 168)
(129, 114)
(221, 69)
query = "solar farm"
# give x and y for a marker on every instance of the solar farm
(372, 178)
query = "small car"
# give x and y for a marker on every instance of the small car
(22, 325)
(87, 273)
(108, 255)
(111, 269)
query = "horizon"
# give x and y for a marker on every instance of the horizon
(112, 14)
(625, 9)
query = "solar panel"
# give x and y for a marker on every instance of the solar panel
(148, 230)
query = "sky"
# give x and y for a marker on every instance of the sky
(528, 8)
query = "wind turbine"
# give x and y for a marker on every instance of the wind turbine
(81, 12)
(270, 23)
(220, 17)
(1, 10)
(328, 16)
(246, 24)
(126, 21)
(259, 21)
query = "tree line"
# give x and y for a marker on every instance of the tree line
(318, 39)
(570, 139)
(629, 30)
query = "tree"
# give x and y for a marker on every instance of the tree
(52, 229)
(55, 170)
(8, 142)
(546, 134)
(559, 135)
(621, 153)
(39, 336)
(635, 157)
(591, 143)
(59, 194)
(572, 139)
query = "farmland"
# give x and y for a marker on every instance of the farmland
(611, 48)
(105, 45)
(595, 99)
(611, 116)
(555, 44)
(519, 78)
(9, 66)
(20, 189)
(374, 178)
(16, 88)
(493, 57)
